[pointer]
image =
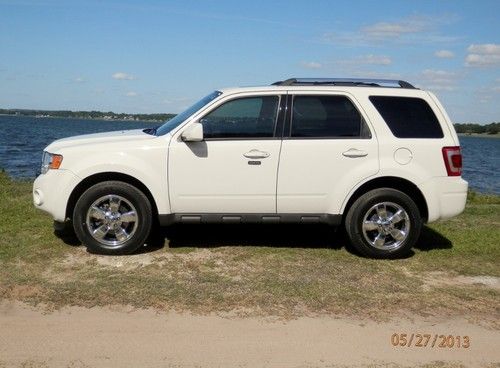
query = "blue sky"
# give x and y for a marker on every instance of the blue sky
(160, 56)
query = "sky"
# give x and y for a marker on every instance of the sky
(160, 56)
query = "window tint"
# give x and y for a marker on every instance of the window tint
(251, 117)
(326, 116)
(408, 117)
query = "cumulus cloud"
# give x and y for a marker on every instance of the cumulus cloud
(483, 55)
(122, 76)
(438, 80)
(444, 54)
(374, 60)
(131, 94)
(411, 29)
(311, 65)
(394, 29)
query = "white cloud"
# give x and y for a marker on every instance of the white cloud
(79, 80)
(483, 55)
(311, 65)
(122, 76)
(444, 54)
(374, 60)
(375, 75)
(438, 80)
(131, 94)
(394, 29)
(411, 29)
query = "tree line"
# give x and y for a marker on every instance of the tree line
(109, 115)
(493, 128)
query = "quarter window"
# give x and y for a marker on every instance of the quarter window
(252, 117)
(327, 117)
(408, 117)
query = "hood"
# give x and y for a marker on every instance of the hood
(99, 138)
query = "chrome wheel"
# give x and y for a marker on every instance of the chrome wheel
(386, 226)
(112, 220)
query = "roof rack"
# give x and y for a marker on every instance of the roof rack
(351, 82)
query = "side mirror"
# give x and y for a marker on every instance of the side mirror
(194, 133)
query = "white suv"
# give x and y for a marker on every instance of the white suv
(380, 157)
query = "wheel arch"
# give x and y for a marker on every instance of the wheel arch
(392, 182)
(107, 176)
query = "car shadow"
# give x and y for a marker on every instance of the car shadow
(279, 236)
(262, 235)
(430, 239)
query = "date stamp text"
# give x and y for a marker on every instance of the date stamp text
(425, 340)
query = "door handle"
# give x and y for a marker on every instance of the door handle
(353, 152)
(253, 154)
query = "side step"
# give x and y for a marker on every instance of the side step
(249, 218)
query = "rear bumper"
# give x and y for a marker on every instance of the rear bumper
(445, 197)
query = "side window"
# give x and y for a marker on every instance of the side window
(408, 117)
(327, 117)
(252, 117)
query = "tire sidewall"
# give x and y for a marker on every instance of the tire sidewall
(355, 217)
(129, 192)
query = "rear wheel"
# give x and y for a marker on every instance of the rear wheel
(112, 217)
(383, 223)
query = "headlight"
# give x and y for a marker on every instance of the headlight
(50, 161)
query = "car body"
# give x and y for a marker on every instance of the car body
(300, 150)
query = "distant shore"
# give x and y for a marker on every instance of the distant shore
(87, 118)
(86, 115)
(479, 135)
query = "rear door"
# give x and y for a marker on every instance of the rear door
(328, 148)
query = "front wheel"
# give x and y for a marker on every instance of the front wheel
(383, 223)
(112, 217)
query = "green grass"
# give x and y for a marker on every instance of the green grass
(256, 270)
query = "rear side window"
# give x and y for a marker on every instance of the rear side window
(326, 117)
(408, 117)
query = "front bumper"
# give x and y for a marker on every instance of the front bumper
(51, 192)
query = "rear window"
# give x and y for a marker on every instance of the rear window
(408, 117)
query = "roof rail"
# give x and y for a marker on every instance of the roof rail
(357, 82)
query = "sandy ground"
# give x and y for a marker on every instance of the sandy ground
(122, 337)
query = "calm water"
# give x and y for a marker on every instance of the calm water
(22, 140)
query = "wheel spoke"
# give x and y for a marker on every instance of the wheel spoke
(101, 231)
(369, 225)
(97, 213)
(114, 204)
(121, 234)
(382, 211)
(398, 216)
(130, 216)
(379, 240)
(397, 234)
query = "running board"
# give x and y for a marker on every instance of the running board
(249, 218)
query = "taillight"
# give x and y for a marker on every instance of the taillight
(453, 160)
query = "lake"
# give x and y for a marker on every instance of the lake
(22, 140)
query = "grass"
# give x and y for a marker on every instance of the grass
(282, 271)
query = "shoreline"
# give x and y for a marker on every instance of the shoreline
(82, 118)
(479, 135)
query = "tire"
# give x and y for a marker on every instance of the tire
(112, 218)
(383, 223)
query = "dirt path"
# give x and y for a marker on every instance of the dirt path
(120, 337)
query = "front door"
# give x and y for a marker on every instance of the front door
(234, 169)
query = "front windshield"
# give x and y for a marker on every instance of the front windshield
(179, 118)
